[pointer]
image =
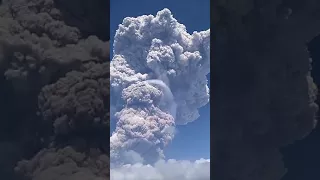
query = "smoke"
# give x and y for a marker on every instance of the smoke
(264, 56)
(168, 170)
(54, 78)
(167, 99)
(158, 80)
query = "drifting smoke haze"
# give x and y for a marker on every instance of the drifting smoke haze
(158, 80)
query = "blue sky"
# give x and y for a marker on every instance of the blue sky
(193, 140)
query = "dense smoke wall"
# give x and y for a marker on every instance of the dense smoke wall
(264, 95)
(158, 80)
(54, 78)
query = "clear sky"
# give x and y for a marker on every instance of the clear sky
(192, 141)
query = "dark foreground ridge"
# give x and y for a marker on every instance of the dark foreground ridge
(265, 99)
(54, 79)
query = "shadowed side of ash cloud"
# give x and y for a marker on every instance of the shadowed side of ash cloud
(77, 106)
(66, 164)
(75, 110)
(54, 78)
(266, 99)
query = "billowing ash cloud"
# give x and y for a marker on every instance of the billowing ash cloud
(158, 80)
(167, 99)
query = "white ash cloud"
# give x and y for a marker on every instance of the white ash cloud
(158, 80)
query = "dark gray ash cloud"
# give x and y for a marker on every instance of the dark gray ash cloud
(54, 78)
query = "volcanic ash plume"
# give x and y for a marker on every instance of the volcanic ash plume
(158, 80)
